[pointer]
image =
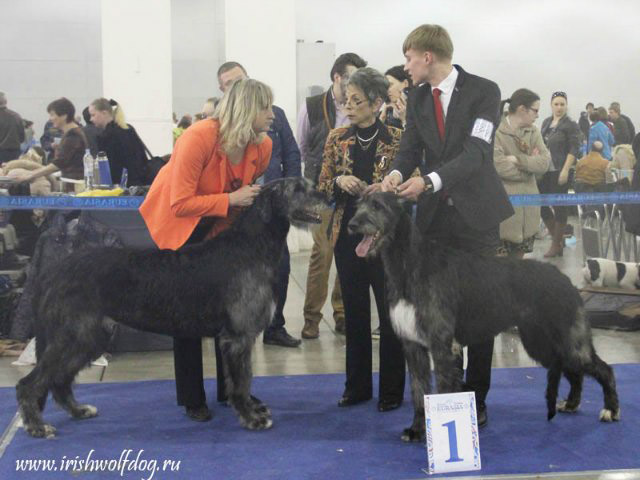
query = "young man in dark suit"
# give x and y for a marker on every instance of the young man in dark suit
(452, 116)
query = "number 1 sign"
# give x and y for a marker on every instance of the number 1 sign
(453, 444)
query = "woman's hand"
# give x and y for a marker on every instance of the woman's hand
(243, 197)
(563, 178)
(23, 177)
(400, 108)
(350, 184)
(373, 188)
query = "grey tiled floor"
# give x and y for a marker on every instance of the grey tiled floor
(327, 354)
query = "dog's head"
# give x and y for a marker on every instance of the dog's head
(293, 199)
(376, 219)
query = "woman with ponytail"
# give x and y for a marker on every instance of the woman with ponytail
(519, 155)
(119, 141)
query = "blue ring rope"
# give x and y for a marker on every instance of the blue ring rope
(133, 203)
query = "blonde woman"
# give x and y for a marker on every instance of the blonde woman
(198, 194)
(519, 155)
(119, 141)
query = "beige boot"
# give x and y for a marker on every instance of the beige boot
(557, 241)
(310, 330)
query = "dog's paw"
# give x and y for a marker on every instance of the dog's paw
(85, 411)
(607, 415)
(257, 423)
(412, 435)
(261, 409)
(43, 430)
(564, 406)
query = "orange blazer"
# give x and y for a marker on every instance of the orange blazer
(192, 185)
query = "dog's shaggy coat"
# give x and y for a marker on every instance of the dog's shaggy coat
(438, 294)
(222, 287)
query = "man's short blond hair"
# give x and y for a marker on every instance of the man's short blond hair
(430, 38)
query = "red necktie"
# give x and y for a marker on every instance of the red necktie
(439, 113)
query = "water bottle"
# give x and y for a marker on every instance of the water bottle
(88, 161)
(124, 178)
(103, 169)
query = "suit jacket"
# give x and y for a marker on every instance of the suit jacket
(192, 185)
(464, 161)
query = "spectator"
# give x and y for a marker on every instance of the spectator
(519, 155)
(318, 115)
(70, 151)
(584, 123)
(90, 131)
(11, 132)
(394, 112)
(50, 139)
(591, 169)
(562, 137)
(624, 162)
(600, 131)
(119, 141)
(183, 124)
(285, 162)
(209, 107)
(631, 127)
(621, 132)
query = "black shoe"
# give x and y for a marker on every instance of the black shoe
(388, 405)
(347, 400)
(199, 414)
(280, 337)
(482, 414)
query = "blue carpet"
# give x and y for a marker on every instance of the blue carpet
(314, 439)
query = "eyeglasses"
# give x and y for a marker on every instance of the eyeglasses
(536, 110)
(558, 94)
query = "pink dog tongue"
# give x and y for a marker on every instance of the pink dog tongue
(364, 245)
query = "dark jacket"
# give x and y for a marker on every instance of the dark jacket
(630, 126)
(124, 149)
(621, 132)
(464, 162)
(11, 130)
(565, 139)
(70, 153)
(285, 155)
(585, 125)
(322, 118)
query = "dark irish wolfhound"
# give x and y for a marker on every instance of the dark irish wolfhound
(438, 294)
(222, 287)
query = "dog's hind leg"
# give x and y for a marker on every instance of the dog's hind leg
(61, 388)
(419, 365)
(30, 392)
(236, 352)
(603, 373)
(572, 403)
(554, 373)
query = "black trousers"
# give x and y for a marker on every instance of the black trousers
(549, 184)
(449, 227)
(356, 275)
(187, 356)
(6, 155)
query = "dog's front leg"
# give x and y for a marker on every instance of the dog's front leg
(419, 364)
(236, 353)
(447, 364)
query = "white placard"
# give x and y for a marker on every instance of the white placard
(453, 443)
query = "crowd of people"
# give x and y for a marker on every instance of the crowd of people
(428, 130)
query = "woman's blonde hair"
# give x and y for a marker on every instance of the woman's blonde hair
(237, 111)
(114, 109)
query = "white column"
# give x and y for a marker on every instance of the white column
(261, 35)
(136, 66)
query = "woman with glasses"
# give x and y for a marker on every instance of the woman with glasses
(353, 159)
(562, 137)
(519, 155)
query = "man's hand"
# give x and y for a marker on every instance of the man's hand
(243, 197)
(23, 177)
(390, 182)
(373, 188)
(412, 188)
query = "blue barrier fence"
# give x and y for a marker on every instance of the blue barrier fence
(133, 203)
